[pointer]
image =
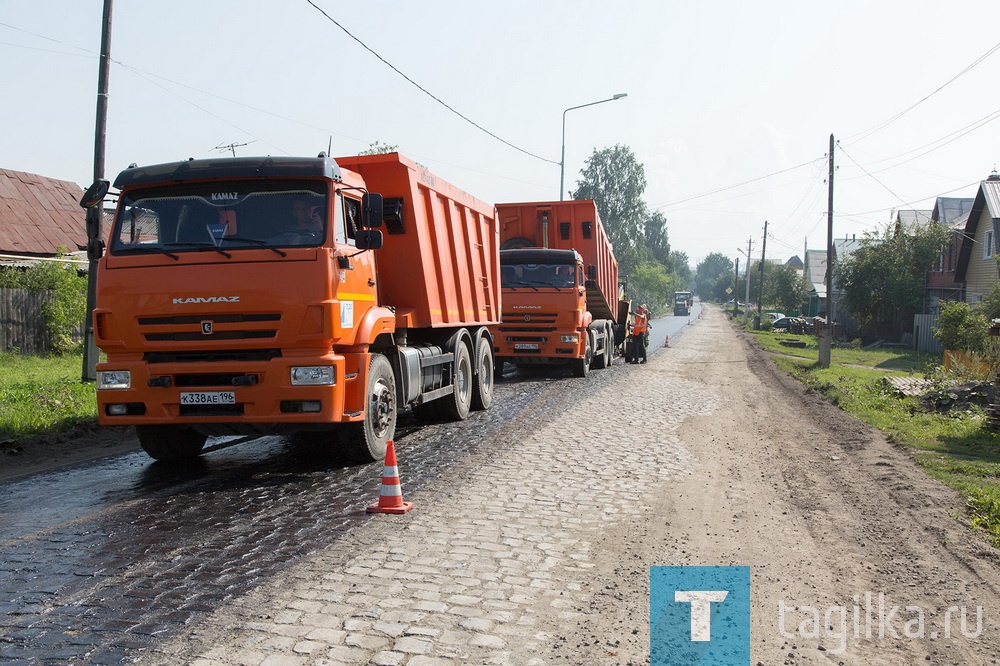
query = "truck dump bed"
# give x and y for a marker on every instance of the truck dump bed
(439, 263)
(567, 225)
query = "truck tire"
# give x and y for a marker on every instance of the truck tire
(482, 386)
(601, 359)
(366, 441)
(609, 349)
(456, 406)
(581, 366)
(170, 442)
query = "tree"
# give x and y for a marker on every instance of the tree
(650, 283)
(712, 276)
(615, 180)
(883, 280)
(378, 148)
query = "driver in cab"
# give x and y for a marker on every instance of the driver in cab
(306, 219)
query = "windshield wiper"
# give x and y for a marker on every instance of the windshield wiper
(150, 250)
(203, 247)
(257, 242)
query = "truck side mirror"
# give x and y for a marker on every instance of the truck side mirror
(592, 272)
(368, 239)
(371, 212)
(95, 194)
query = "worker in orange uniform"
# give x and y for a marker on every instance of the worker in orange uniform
(640, 326)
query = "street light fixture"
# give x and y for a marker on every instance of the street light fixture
(562, 159)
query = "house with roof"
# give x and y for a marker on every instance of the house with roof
(37, 216)
(977, 263)
(941, 282)
(814, 273)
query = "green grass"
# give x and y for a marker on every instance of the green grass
(40, 394)
(955, 447)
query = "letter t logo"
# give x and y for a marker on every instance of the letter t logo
(701, 610)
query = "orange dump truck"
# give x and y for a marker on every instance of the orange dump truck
(559, 280)
(284, 294)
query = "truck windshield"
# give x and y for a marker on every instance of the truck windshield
(220, 216)
(537, 275)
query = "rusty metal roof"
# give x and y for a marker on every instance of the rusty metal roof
(38, 214)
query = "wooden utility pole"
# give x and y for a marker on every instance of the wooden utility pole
(746, 304)
(736, 288)
(826, 332)
(760, 287)
(95, 215)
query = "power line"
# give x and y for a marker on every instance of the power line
(731, 187)
(885, 123)
(424, 90)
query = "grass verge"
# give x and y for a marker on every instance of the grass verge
(42, 394)
(954, 447)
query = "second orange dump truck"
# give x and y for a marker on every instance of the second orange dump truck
(283, 294)
(559, 279)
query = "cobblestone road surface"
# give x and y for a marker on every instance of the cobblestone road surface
(492, 563)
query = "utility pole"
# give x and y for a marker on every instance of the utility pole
(746, 303)
(760, 287)
(736, 287)
(826, 332)
(95, 215)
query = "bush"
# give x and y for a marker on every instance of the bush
(962, 328)
(66, 308)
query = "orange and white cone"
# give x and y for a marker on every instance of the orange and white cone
(666, 342)
(390, 498)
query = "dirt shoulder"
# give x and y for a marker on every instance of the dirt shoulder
(830, 516)
(44, 453)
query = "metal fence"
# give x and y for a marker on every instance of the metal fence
(22, 327)
(923, 333)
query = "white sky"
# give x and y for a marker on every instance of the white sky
(719, 94)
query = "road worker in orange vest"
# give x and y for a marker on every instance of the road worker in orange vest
(640, 327)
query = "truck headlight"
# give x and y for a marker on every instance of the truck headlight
(114, 379)
(569, 338)
(313, 375)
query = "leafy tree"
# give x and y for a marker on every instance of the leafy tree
(679, 265)
(883, 280)
(650, 283)
(784, 288)
(615, 180)
(378, 148)
(990, 305)
(712, 276)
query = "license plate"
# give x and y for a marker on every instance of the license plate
(209, 398)
(525, 345)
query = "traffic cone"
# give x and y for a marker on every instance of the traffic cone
(390, 498)
(666, 342)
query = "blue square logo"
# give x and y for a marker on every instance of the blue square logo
(699, 615)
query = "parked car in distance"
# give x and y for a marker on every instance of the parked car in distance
(793, 325)
(774, 316)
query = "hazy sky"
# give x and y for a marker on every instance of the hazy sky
(730, 103)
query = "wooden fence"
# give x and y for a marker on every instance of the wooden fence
(22, 327)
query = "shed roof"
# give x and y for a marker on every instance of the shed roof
(815, 271)
(38, 214)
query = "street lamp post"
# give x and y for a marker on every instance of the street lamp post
(562, 158)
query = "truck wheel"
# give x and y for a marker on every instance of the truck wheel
(170, 442)
(456, 406)
(609, 349)
(366, 441)
(482, 386)
(601, 359)
(581, 366)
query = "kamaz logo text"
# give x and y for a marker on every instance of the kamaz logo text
(206, 299)
(225, 196)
